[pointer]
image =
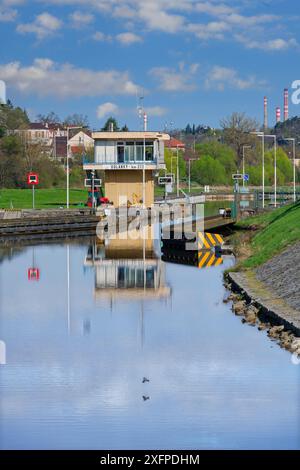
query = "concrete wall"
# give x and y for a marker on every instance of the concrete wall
(128, 184)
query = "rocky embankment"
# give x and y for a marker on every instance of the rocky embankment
(269, 298)
(254, 316)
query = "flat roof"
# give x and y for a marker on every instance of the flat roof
(129, 135)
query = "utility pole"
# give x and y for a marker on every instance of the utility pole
(144, 182)
(93, 191)
(190, 159)
(293, 140)
(68, 169)
(244, 147)
(177, 171)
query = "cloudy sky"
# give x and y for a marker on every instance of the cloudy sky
(196, 61)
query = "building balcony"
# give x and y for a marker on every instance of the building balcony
(113, 165)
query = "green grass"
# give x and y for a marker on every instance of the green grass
(277, 230)
(44, 198)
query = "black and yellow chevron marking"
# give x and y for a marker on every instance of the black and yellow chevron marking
(206, 259)
(208, 240)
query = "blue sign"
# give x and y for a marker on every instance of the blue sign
(246, 177)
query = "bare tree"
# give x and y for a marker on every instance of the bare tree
(50, 118)
(236, 131)
(77, 120)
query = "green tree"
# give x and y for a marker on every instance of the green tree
(207, 170)
(221, 153)
(12, 118)
(111, 121)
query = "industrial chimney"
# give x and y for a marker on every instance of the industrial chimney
(278, 115)
(286, 104)
(265, 112)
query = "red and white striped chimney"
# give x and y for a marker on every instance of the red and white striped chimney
(286, 104)
(278, 114)
(265, 112)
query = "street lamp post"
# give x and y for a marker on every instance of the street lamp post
(262, 135)
(177, 171)
(190, 159)
(275, 167)
(290, 139)
(68, 176)
(244, 147)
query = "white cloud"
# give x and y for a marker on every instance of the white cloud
(156, 111)
(7, 15)
(128, 38)
(171, 79)
(213, 9)
(107, 109)
(44, 25)
(278, 44)
(220, 78)
(206, 20)
(80, 20)
(101, 37)
(47, 78)
(212, 30)
(156, 18)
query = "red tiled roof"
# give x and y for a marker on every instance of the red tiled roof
(45, 127)
(174, 143)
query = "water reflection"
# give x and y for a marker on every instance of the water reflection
(127, 269)
(114, 348)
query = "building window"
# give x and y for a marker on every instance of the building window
(139, 151)
(130, 152)
(149, 152)
(120, 151)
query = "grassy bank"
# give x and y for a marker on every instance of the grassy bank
(44, 198)
(273, 231)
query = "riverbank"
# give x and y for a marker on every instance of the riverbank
(265, 281)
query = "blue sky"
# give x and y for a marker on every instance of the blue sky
(197, 61)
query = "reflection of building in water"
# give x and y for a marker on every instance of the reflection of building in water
(128, 268)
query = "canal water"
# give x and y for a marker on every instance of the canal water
(111, 348)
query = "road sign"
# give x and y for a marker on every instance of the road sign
(33, 274)
(163, 180)
(32, 178)
(88, 182)
(206, 259)
(169, 188)
(246, 177)
(237, 176)
(207, 241)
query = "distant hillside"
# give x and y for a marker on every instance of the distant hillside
(289, 128)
